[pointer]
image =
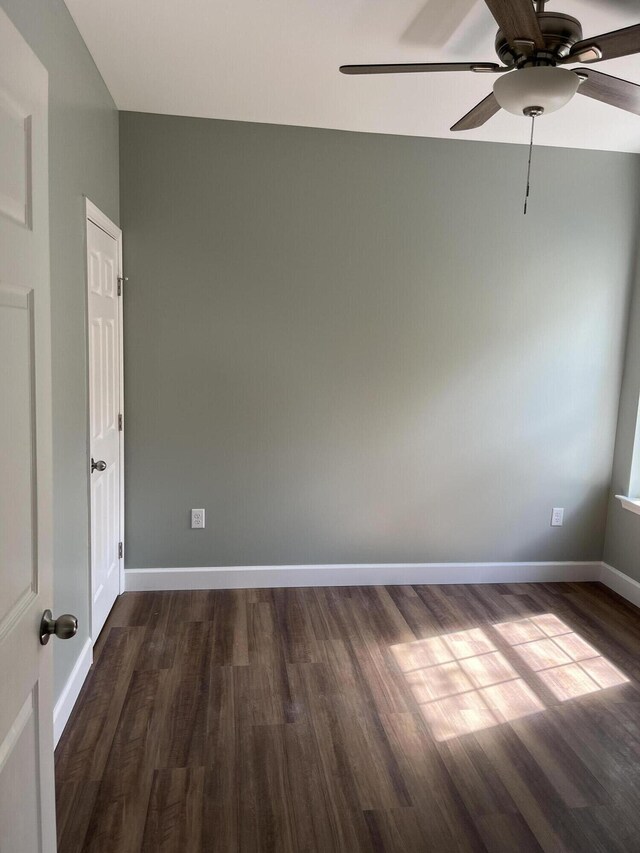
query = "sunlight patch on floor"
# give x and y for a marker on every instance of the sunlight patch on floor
(563, 660)
(463, 682)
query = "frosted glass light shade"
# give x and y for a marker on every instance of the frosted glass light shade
(544, 86)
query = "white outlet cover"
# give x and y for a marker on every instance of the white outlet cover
(197, 519)
(557, 516)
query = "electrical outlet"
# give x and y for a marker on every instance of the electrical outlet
(197, 518)
(557, 516)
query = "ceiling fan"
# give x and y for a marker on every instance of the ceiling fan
(532, 44)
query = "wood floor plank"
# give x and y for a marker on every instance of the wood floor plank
(479, 785)
(174, 816)
(318, 826)
(395, 830)
(265, 819)
(162, 630)
(320, 606)
(222, 792)
(186, 696)
(445, 820)
(414, 611)
(334, 771)
(299, 643)
(119, 814)
(84, 747)
(75, 802)
(538, 811)
(263, 695)
(568, 774)
(421, 719)
(227, 608)
(374, 661)
(506, 833)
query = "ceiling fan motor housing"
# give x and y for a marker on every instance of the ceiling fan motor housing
(560, 33)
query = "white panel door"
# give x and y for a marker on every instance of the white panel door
(103, 270)
(27, 804)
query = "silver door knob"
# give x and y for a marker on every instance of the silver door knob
(98, 466)
(64, 626)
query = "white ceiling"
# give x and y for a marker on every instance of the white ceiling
(277, 61)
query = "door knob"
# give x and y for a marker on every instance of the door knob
(98, 466)
(64, 626)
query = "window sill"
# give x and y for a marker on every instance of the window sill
(632, 504)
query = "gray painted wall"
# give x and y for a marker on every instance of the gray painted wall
(83, 159)
(354, 348)
(622, 544)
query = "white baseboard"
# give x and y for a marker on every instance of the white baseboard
(71, 691)
(372, 574)
(622, 584)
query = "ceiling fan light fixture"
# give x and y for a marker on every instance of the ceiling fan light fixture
(544, 87)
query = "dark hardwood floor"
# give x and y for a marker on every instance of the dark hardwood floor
(424, 718)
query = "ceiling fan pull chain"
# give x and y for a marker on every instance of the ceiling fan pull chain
(526, 197)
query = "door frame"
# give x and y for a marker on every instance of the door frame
(97, 217)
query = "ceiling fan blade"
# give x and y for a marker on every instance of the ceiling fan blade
(412, 67)
(517, 20)
(610, 90)
(481, 113)
(608, 46)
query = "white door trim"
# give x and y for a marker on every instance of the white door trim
(95, 215)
